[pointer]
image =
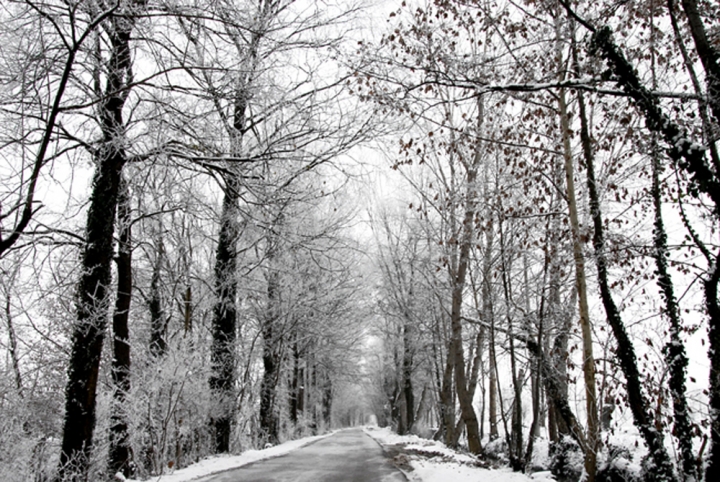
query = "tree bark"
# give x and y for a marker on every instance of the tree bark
(92, 293)
(158, 327)
(458, 282)
(120, 457)
(593, 432)
(488, 317)
(710, 58)
(515, 442)
(13, 349)
(407, 385)
(222, 380)
(556, 390)
(271, 358)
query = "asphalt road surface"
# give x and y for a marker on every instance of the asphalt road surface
(346, 456)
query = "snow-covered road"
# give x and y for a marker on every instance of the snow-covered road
(348, 455)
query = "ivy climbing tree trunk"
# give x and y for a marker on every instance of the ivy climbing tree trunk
(222, 380)
(92, 292)
(625, 350)
(120, 453)
(674, 350)
(688, 156)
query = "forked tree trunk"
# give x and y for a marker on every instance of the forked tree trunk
(223, 358)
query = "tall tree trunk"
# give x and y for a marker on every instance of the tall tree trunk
(158, 346)
(625, 348)
(271, 358)
(515, 437)
(187, 309)
(710, 58)
(92, 293)
(674, 350)
(458, 282)
(120, 453)
(593, 432)
(13, 349)
(222, 379)
(296, 383)
(710, 286)
(535, 376)
(407, 385)
(447, 398)
(488, 317)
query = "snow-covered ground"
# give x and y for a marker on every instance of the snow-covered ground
(430, 461)
(421, 460)
(221, 463)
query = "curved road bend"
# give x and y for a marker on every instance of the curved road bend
(346, 456)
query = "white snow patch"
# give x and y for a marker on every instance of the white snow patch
(445, 464)
(221, 463)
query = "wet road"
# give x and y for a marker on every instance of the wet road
(347, 456)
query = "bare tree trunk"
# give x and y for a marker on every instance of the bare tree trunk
(447, 399)
(535, 376)
(120, 453)
(556, 390)
(295, 383)
(458, 278)
(593, 435)
(407, 368)
(158, 346)
(271, 358)
(488, 317)
(13, 349)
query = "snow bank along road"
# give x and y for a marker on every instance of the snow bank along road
(347, 456)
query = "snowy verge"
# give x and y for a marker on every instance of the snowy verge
(425, 460)
(221, 463)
